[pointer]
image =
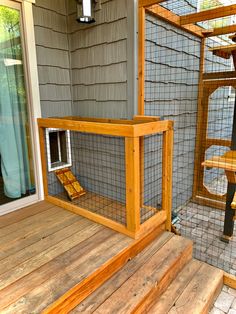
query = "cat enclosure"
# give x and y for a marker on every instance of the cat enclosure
(115, 172)
(186, 74)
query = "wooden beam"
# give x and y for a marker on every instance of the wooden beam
(219, 75)
(221, 31)
(141, 118)
(167, 169)
(230, 280)
(42, 144)
(201, 126)
(208, 14)
(88, 127)
(90, 215)
(148, 3)
(132, 170)
(174, 19)
(152, 127)
(141, 60)
(218, 142)
(214, 84)
(228, 48)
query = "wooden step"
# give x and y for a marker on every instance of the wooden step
(142, 280)
(193, 291)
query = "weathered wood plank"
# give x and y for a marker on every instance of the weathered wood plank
(169, 297)
(71, 268)
(200, 292)
(42, 245)
(99, 296)
(85, 229)
(136, 294)
(14, 231)
(79, 292)
(49, 227)
(51, 263)
(23, 213)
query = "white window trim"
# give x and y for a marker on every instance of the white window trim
(68, 149)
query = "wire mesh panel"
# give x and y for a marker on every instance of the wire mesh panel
(172, 90)
(151, 192)
(98, 163)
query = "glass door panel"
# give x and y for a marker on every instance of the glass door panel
(17, 179)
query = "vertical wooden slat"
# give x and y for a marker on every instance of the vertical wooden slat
(167, 159)
(43, 160)
(141, 60)
(132, 183)
(200, 118)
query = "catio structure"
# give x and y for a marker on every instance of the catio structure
(114, 172)
(187, 74)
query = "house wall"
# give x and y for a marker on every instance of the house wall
(103, 61)
(53, 57)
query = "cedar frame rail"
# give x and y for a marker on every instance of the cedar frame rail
(200, 194)
(133, 131)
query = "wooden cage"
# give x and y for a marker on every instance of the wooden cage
(133, 132)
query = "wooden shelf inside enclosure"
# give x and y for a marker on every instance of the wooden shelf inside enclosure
(226, 162)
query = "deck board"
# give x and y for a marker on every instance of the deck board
(23, 213)
(50, 251)
(92, 302)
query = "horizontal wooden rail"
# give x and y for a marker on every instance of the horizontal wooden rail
(219, 75)
(208, 14)
(221, 31)
(218, 142)
(174, 19)
(153, 127)
(88, 126)
(148, 3)
(140, 127)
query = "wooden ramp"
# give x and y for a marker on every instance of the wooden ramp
(53, 261)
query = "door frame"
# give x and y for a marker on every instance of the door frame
(33, 98)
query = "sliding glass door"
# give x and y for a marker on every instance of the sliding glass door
(17, 175)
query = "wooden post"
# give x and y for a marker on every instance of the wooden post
(141, 60)
(201, 122)
(132, 183)
(167, 160)
(43, 160)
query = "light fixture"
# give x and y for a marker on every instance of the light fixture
(85, 11)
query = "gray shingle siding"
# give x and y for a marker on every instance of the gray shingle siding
(53, 57)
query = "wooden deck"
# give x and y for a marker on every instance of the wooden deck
(45, 251)
(54, 261)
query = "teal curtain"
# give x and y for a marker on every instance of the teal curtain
(14, 148)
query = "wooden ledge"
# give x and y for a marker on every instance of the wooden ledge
(226, 162)
(140, 126)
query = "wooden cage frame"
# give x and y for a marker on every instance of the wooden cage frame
(208, 82)
(133, 131)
